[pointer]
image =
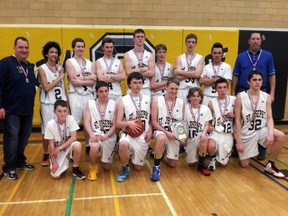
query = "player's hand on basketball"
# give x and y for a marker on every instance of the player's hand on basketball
(134, 126)
(240, 147)
(2, 113)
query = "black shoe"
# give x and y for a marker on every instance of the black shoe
(234, 154)
(77, 172)
(26, 166)
(261, 157)
(11, 175)
(181, 149)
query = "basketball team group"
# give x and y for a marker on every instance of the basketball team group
(163, 102)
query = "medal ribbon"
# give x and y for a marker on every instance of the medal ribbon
(254, 65)
(81, 65)
(214, 69)
(170, 111)
(225, 107)
(62, 136)
(194, 116)
(189, 62)
(110, 66)
(138, 110)
(102, 114)
(22, 68)
(253, 108)
(140, 62)
(161, 71)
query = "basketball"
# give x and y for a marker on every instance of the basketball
(135, 133)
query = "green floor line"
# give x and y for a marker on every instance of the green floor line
(70, 199)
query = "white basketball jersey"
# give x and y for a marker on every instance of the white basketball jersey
(221, 122)
(114, 87)
(163, 116)
(135, 64)
(224, 70)
(189, 82)
(159, 77)
(249, 125)
(83, 90)
(102, 126)
(130, 111)
(53, 132)
(58, 92)
(196, 125)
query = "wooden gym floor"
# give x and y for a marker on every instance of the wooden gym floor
(183, 190)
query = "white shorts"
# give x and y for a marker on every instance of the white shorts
(182, 94)
(224, 144)
(77, 104)
(172, 146)
(138, 146)
(192, 150)
(107, 149)
(62, 161)
(251, 144)
(47, 113)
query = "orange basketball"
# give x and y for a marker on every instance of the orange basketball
(137, 133)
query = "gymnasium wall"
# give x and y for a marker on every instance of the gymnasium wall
(211, 13)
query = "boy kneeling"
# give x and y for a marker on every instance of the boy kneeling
(61, 133)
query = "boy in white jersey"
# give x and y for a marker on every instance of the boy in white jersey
(140, 60)
(213, 71)
(163, 70)
(51, 78)
(198, 117)
(164, 110)
(110, 70)
(82, 78)
(254, 124)
(134, 105)
(220, 141)
(189, 67)
(100, 125)
(61, 132)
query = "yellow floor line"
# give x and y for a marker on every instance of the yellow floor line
(15, 189)
(114, 192)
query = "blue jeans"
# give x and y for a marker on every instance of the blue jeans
(16, 131)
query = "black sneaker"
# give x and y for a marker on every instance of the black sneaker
(11, 174)
(26, 166)
(77, 172)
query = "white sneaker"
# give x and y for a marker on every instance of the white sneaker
(273, 170)
(212, 165)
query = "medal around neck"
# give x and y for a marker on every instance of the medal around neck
(180, 130)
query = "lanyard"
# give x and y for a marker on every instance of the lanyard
(22, 68)
(254, 65)
(161, 71)
(108, 67)
(139, 59)
(102, 113)
(62, 133)
(220, 108)
(81, 65)
(138, 109)
(189, 62)
(170, 111)
(216, 72)
(253, 108)
(194, 115)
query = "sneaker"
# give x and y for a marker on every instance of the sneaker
(124, 173)
(45, 160)
(181, 149)
(26, 166)
(77, 172)
(202, 168)
(273, 170)
(11, 174)
(212, 166)
(155, 173)
(92, 176)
